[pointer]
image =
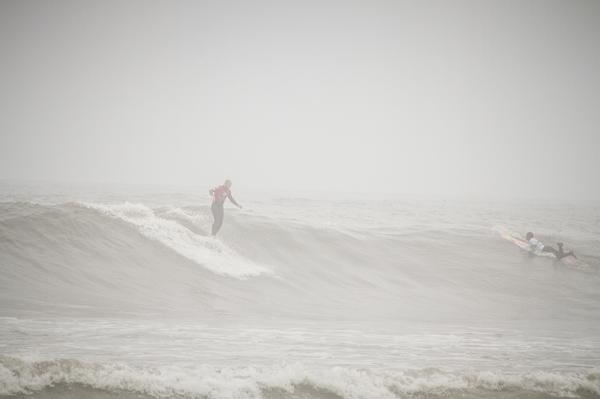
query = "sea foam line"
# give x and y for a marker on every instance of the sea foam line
(18, 376)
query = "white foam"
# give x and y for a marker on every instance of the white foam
(206, 251)
(19, 376)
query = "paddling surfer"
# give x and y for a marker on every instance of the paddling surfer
(536, 245)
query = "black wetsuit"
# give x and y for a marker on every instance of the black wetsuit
(218, 214)
(558, 253)
(220, 194)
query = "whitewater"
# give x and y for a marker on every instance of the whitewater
(126, 294)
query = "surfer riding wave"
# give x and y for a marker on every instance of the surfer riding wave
(220, 194)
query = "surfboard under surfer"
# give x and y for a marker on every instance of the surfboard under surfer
(220, 194)
(536, 245)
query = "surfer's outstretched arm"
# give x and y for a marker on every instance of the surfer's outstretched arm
(233, 201)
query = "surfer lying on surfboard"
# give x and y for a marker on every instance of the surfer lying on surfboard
(536, 245)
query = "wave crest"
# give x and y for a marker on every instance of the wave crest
(200, 248)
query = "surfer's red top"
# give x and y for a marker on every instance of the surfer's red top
(220, 194)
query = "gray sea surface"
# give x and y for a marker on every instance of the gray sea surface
(125, 294)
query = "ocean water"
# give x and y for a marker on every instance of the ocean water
(125, 294)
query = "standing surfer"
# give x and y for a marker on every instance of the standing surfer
(220, 194)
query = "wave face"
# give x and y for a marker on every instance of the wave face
(297, 259)
(120, 296)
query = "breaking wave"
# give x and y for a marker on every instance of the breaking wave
(25, 377)
(187, 240)
(127, 257)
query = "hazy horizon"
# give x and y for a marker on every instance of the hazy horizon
(440, 99)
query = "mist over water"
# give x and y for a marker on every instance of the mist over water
(493, 99)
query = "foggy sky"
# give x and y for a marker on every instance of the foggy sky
(447, 98)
